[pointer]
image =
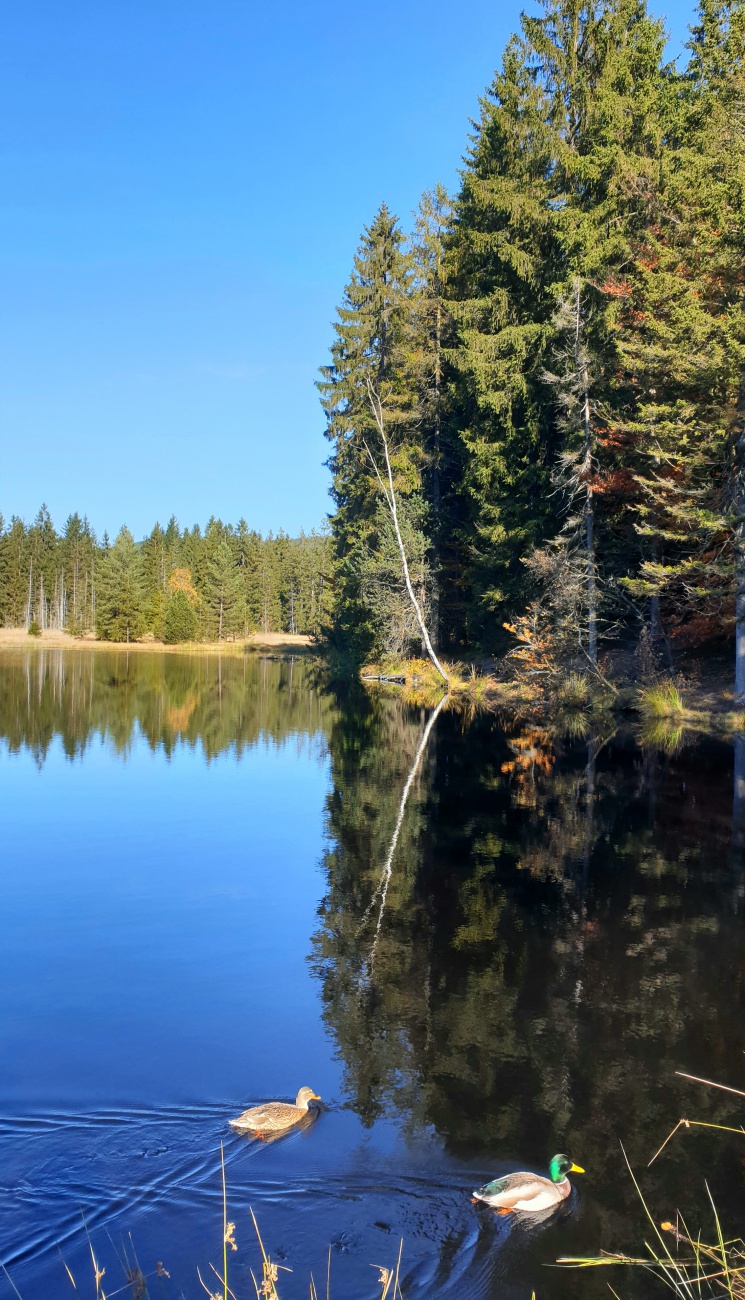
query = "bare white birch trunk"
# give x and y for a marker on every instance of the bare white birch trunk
(390, 497)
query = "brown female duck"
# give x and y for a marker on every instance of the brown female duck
(276, 1116)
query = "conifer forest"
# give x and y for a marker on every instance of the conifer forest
(559, 350)
(176, 585)
(558, 353)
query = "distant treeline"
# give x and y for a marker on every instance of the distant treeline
(175, 585)
(560, 354)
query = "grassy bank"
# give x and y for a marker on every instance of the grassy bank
(420, 683)
(667, 709)
(259, 642)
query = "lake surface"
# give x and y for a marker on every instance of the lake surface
(198, 915)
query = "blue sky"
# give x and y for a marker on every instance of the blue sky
(184, 185)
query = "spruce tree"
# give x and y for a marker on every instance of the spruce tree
(155, 570)
(551, 205)
(77, 556)
(180, 620)
(372, 345)
(247, 547)
(120, 592)
(225, 597)
(14, 573)
(683, 346)
(602, 65)
(433, 336)
(43, 571)
(503, 262)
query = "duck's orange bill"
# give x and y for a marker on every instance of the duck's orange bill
(576, 1169)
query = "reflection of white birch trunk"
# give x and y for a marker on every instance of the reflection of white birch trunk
(390, 499)
(385, 876)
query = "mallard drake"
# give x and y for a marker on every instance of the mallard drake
(530, 1192)
(276, 1116)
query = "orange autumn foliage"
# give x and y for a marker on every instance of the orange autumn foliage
(180, 580)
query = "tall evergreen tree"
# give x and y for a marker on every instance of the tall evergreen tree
(43, 604)
(441, 448)
(602, 64)
(225, 597)
(120, 592)
(77, 555)
(503, 264)
(683, 346)
(372, 346)
(14, 574)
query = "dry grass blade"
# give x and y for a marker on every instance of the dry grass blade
(213, 1295)
(396, 1286)
(720, 1240)
(64, 1265)
(695, 1123)
(222, 1282)
(709, 1083)
(98, 1272)
(11, 1283)
(597, 1261)
(269, 1270)
(385, 1277)
(710, 1270)
(667, 1139)
(224, 1226)
(670, 1267)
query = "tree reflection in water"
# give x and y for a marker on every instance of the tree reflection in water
(381, 890)
(563, 932)
(211, 701)
(523, 934)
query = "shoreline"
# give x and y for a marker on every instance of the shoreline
(704, 703)
(15, 638)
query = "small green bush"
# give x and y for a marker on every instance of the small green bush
(34, 629)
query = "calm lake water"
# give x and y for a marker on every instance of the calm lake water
(198, 916)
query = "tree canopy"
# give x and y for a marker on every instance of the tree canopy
(560, 349)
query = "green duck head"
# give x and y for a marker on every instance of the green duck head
(560, 1166)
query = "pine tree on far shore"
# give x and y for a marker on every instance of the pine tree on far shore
(180, 619)
(119, 594)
